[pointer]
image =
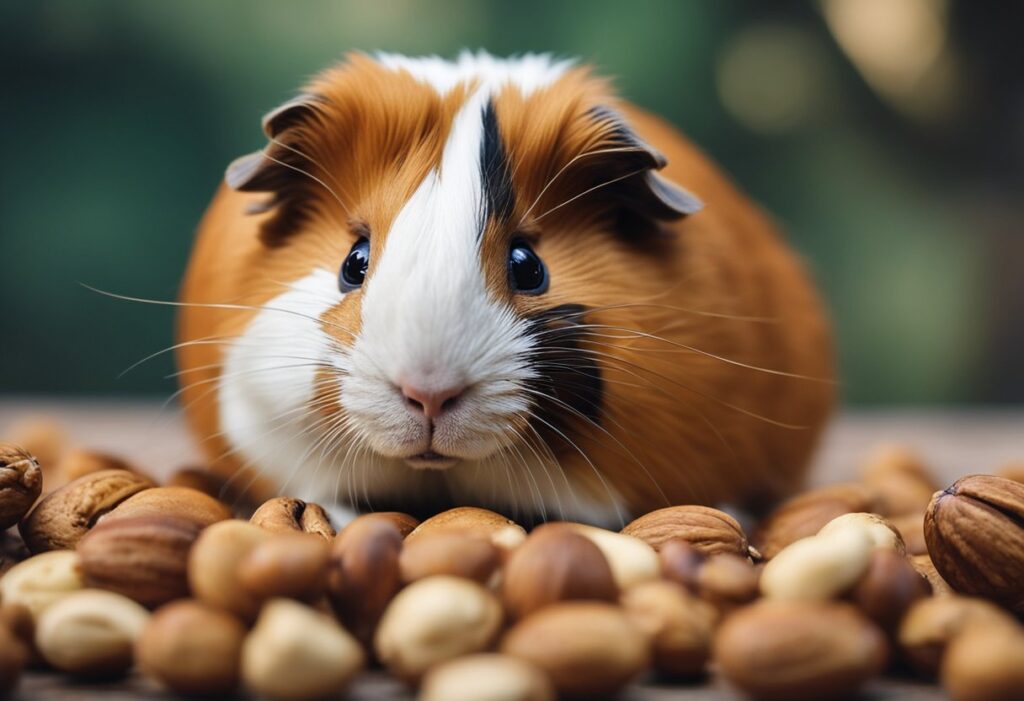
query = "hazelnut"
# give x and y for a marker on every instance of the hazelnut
(286, 514)
(80, 462)
(888, 588)
(799, 650)
(631, 559)
(486, 677)
(433, 620)
(295, 653)
(457, 553)
(91, 633)
(727, 581)
(899, 479)
(587, 648)
(213, 565)
(192, 648)
(555, 564)
(679, 625)
(930, 624)
(680, 563)
(503, 532)
(292, 565)
(985, 664)
(708, 530)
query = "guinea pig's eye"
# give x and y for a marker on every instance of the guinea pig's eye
(526, 271)
(353, 269)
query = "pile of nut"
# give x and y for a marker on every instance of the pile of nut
(839, 585)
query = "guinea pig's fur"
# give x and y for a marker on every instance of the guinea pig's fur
(678, 355)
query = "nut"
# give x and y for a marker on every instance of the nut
(555, 564)
(486, 677)
(60, 520)
(292, 565)
(975, 535)
(192, 648)
(881, 533)
(680, 563)
(888, 588)
(457, 553)
(286, 514)
(797, 650)
(296, 653)
(925, 568)
(932, 622)
(79, 463)
(503, 532)
(91, 633)
(215, 485)
(213, 565)
(679, 625)
(364, 573)
(587, 648)
(1012, 471)
(727, 581)
(899, 480)
(40, 581)
(42, 437)
(806, 514)
(819, 567)
(985, 664)
(21, 481)
(433, 620)
(180, 502)
(142, 557)
(708, 530)
(405, 523)
(17, 619)
(911, 529)
(14, 655)
(631, 559)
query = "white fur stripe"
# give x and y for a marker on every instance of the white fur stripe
(528, 73)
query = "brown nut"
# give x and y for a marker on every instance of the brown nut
(680, 563)
(40, 581)
(60, 520)
(631, 559)
(503, 532)
(18, 620)
(925, 568)
(364, 573)
(287, 514)
(797, 650)
(21, 481)
(457, 553)
(192, 648)
(292, 565)
(588, 649)
(727, 581)
(888, 588)
(708, 530)
(405, 523)
(975, 535)
(899, 479)
(985, 664)
(911, 529)
(931, 623)
(14, 655)
(213, 565)
(142, 557)
(80, 462)
(555, 564)
(486, 677)
(91, 633)
(806, 514)
(1012, 471)
(679, 625)
(297, 654)
(41, 436)
(180, 502)
(215, 485)
(433, 620)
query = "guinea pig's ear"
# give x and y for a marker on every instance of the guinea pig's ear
(276, 169)
(629, 172)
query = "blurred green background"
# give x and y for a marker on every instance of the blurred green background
(887, 137)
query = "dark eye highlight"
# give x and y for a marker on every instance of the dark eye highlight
(526, 271)
(353, 269)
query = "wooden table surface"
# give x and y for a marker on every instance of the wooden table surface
(954, 442)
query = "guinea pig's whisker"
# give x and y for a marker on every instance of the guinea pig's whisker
(311, 176)
(319, 165)
(586, 192)
(211, 366)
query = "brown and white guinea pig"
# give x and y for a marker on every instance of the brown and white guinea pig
(482, 282)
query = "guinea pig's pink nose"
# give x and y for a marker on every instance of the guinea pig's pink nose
(432, 404)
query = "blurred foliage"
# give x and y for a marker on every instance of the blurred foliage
(119, 117)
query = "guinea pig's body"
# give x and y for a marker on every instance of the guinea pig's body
(531, 313)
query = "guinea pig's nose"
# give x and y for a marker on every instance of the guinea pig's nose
(431, 404)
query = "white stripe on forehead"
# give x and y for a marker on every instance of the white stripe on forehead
(426, 313)
(528, 72)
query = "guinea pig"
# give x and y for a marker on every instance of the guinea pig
(493, 282)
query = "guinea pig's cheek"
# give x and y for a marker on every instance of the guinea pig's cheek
(343, 321)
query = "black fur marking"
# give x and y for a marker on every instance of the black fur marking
(571, 378)
(497, 179)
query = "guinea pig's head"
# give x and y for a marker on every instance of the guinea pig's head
(452, 224)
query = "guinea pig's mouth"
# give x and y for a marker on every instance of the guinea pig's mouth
(429, 460)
